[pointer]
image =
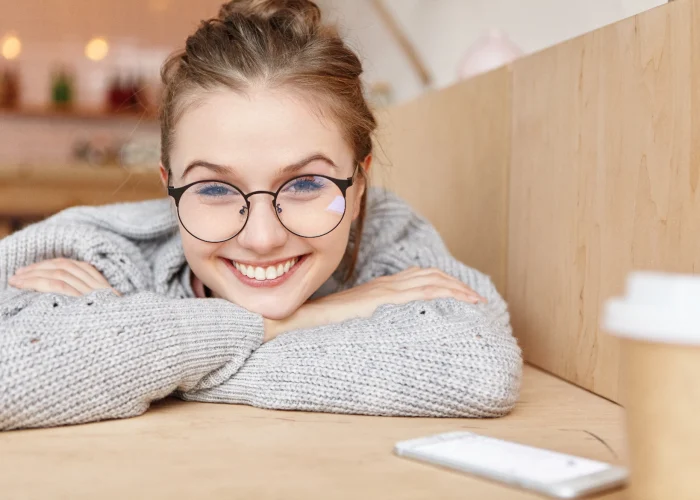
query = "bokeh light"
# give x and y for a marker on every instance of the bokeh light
(11, 47)
(96, 49)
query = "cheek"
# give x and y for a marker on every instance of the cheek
(196, 251)
(330, 248)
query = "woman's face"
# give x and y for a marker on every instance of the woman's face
(258, 142)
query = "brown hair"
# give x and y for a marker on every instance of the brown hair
(272, 43)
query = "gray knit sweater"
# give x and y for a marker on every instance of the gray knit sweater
(67, 360)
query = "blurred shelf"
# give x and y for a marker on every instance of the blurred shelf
(36, 191)
(76, 174)
(78, 114)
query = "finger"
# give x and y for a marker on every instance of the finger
(24, 269)
(432, 280)
(80, 270)
(42, 264)
(416, 277)
(412, 272)
(57, 275)
(44, 285)
(91, 276)
(405, 272)
(439, 272)
(97, 277)
(437, 278)
(431, 292)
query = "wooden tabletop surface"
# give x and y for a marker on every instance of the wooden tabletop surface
(181, 450)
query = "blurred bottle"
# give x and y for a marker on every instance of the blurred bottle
(143, 151)
(112, 97)
(127, 94)
(99, 150)
(132, 90)
(3, 87)
(141, 94)
(62, 89)
(122, 95)
(9, 88)
(12, 93)
(490, 51)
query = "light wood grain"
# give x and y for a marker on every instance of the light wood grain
(447, 153)
(31, 191)
(603, 181)
(5, 227)
(183, 450)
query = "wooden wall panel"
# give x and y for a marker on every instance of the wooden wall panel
(603, 181)
(447, 153)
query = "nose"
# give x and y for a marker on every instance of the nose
(263, 233)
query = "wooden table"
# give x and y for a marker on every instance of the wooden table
(180, 450)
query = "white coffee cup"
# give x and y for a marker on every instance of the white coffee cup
(658, 323)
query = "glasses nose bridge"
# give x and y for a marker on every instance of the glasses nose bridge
(249, 214)
(249, 195)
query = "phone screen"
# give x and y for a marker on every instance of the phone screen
(495, 457)
(545, 471)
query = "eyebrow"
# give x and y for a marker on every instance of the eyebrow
(289, 169)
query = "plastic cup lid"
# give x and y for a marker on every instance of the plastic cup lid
(657, 307)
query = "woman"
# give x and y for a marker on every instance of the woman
(271, 277)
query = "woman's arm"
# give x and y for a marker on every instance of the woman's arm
(432, 358)
(439, 357)
(68, 360)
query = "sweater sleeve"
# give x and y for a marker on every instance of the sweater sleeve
(68, 360)
(426, 358)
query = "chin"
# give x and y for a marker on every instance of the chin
(270, 309)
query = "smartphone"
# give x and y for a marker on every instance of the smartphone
(543, 471)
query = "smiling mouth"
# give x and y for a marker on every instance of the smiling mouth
(265, 276)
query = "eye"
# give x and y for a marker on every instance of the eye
(305, 184)
(216, 190)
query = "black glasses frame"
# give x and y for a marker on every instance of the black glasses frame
(343, 185)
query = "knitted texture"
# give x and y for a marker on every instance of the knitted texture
(68, 360)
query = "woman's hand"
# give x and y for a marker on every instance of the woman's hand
(64, 276)
(361, 301)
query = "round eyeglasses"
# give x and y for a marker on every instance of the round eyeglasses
(309, 206)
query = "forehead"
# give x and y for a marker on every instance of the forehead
(264, 129)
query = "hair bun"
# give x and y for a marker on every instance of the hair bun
(302, 13)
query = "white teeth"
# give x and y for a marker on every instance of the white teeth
(269, 273)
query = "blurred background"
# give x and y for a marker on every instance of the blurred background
(79, 79)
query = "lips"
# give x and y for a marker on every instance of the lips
(265, 273)
(283, 271)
